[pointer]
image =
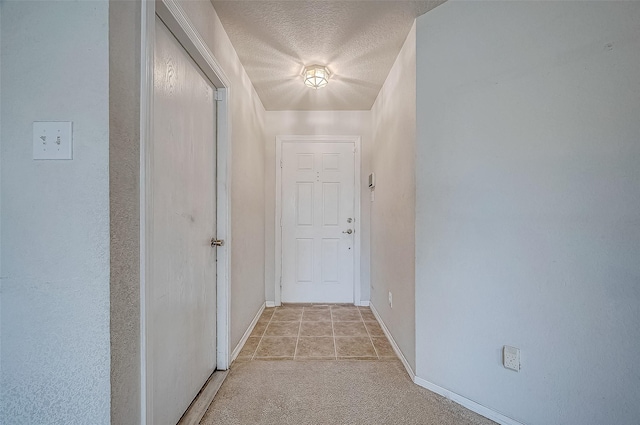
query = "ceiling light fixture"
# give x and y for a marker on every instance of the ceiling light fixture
(316, 76)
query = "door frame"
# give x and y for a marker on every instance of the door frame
(356, 140)
(174, 17)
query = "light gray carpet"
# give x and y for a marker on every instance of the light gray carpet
(331, 393)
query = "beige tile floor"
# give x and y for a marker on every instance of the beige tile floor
(320, 332)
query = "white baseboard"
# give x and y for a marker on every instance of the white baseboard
(401, 356)
(456, 398)
(244, 338)
(465, 402)
(270, 304)
(363, 304)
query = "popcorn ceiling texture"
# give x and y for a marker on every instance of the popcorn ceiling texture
(358, 40)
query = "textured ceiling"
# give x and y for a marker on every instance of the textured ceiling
(357, 40)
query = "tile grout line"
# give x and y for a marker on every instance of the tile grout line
(295, 352)
(369, 333)
(262, 336)
(333, 333)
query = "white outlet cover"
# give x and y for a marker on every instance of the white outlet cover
(52, 140)
(511, 358)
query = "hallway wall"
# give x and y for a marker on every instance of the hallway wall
(247, 210)
(0, 206)
(248, 173)
(124, 208)
(318, 123)
(55, 215)
(528, 200)
(393, 211)
(55, 310)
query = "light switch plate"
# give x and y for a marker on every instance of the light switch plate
(52, 140)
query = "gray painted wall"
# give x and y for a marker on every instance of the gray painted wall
(393, 211)
(528, 200)
(1, 207)
(124, 205)
(315, 123)
(55, 216)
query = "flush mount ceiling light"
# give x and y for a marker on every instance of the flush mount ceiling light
(316, 76)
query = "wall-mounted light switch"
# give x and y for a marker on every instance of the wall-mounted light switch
(52, 140)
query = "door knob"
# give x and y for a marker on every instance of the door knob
(348, 231)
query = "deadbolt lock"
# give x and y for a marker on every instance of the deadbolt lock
(217, 242)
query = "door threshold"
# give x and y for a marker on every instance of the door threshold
(203, 400)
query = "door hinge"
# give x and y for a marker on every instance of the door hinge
(218, 95)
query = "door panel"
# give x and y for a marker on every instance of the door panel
(330, 260)
(304, 204)
(317, 202)
(330, 204)
(182, 278)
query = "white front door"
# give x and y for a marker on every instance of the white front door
(318, 222)
(181, 302)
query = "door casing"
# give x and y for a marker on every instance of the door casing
(356, 140)
(174, 17)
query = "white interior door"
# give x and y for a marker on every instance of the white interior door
(318, 222)
(181, 303)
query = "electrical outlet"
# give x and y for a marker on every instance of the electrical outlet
(511, 358)
(390, 299)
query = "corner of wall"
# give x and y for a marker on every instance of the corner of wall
(124, 205)
(393, 210)
(1, 393)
